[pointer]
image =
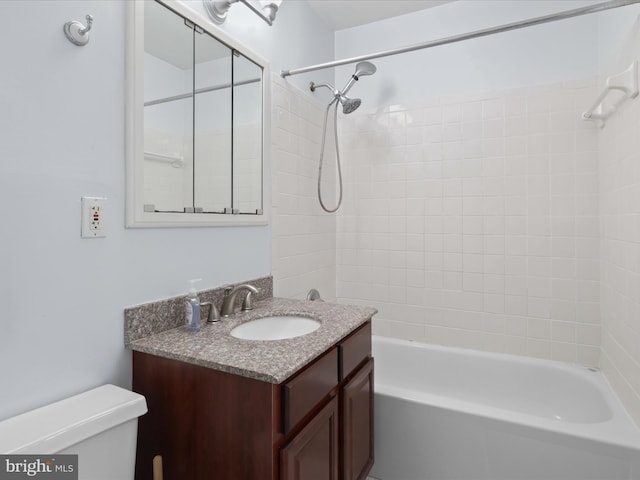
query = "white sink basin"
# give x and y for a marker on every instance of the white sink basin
(275, 328)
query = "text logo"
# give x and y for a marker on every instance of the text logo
(50, 467)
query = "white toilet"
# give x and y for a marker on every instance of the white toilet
(100, 425)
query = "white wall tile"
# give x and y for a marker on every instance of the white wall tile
(494, 226)
(619, 248)
(304, 241)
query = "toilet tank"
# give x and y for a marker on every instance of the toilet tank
(100, 426)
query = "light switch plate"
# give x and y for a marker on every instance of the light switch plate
(93, 210)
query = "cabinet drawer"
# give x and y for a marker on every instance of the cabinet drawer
(355, 349)
(304, 391)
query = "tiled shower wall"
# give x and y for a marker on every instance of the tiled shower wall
(619, 179)
(304, 237)
(473, 221)
(501, 222)
(619, 157)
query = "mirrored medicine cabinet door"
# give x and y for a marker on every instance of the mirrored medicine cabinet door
(196, 110)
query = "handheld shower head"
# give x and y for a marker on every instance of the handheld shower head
(362, 68)
(348, 104)
(365, 68)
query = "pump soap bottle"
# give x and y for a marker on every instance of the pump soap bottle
(192, 307)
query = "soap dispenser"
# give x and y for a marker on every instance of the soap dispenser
(192, 308)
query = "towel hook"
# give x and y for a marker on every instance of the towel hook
(77, 33)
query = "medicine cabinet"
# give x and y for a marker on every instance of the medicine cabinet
(196, 121)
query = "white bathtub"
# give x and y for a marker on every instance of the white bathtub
(448, 413)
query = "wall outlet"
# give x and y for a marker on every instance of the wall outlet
(92, 225)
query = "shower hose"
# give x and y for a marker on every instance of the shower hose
(324, 134)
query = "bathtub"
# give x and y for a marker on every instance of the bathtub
(446, 413)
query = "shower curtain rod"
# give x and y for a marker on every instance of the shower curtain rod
(467, 36)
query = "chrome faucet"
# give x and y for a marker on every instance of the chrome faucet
(229, 301)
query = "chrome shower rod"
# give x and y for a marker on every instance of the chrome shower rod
(600, 7)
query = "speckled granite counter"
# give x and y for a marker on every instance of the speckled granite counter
(270, 361)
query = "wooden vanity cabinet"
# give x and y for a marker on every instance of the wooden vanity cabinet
(208, 424)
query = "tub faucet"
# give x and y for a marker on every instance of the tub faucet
(229, 301)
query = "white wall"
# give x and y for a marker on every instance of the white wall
(620, 216)
(548, 53)
(434, 131)
(304, 237)
(62, 123)
(471, 213)
(473, 221)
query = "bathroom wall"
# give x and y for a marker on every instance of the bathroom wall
(62, 123)
(619, 184)
(539, 55)
(472, 213)
(304, 237)
(473, 221)
(481, 211)
(303, 243)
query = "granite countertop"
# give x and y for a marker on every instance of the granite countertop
(271, 361)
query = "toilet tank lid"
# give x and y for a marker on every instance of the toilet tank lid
(54, 427)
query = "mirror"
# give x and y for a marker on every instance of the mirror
(196, 122)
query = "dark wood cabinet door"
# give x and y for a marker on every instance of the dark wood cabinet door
(313, 453)
(206, 424)
(357, 424)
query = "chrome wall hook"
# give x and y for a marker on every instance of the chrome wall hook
(77, 33)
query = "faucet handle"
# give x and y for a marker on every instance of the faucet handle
(247, 304)
(214, 314)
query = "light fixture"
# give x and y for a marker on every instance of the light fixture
(218, 9)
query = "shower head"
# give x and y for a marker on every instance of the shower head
(349, 104)
(362, 69)
(365, 68)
